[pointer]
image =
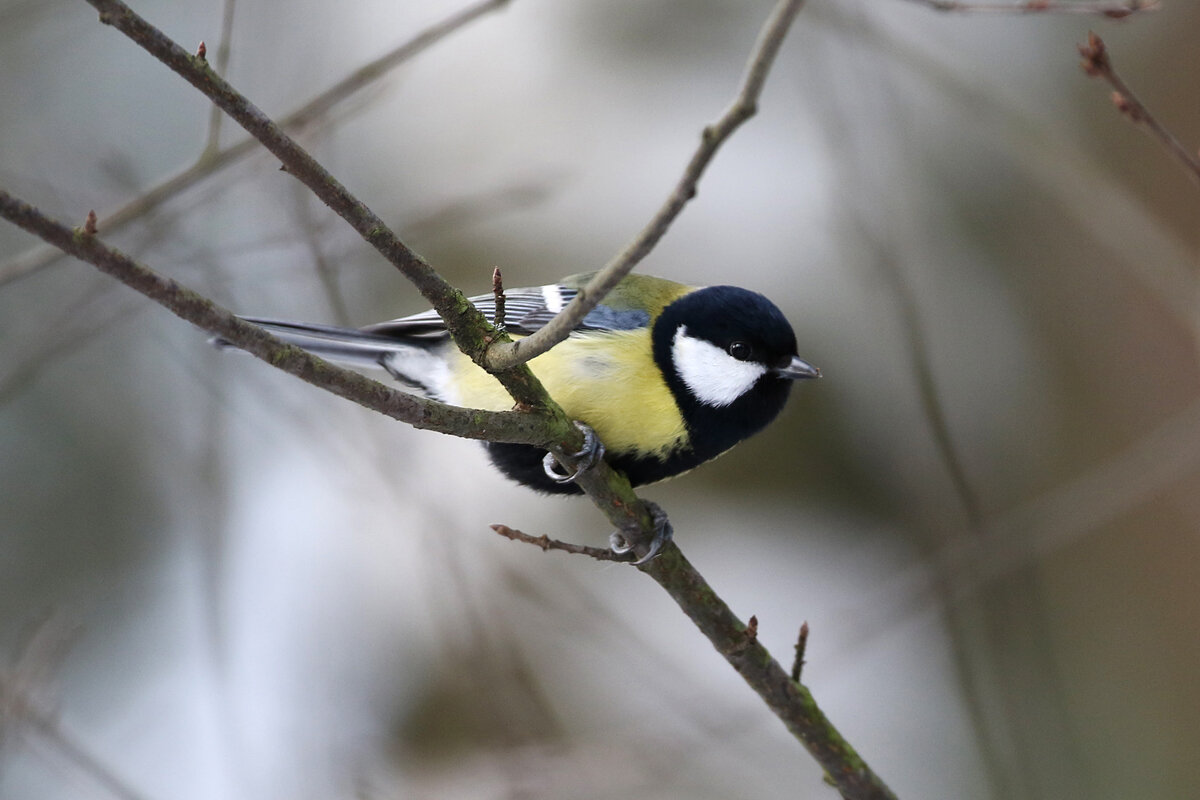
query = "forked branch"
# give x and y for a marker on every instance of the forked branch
(503, 355)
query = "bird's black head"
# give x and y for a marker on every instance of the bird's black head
(729, 357)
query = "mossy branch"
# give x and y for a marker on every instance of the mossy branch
(84, 243)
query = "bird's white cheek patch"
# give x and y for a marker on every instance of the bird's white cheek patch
(714, 377)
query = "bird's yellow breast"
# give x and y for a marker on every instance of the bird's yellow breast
(606, 380)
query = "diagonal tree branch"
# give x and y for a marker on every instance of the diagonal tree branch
(420, 412)
(738, 643)
(213, 160)
(1097, 64)
(503, 355)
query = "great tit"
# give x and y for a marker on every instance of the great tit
(667, 375)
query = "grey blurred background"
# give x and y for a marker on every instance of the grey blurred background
(217, 582)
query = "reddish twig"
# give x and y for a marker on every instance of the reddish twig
(546, 543)
(1113, 9)
(498, 294)
(801, 646)
(1097, 64)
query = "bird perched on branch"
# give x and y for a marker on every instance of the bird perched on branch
(667, 376)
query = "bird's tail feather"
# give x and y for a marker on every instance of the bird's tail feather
(348, 346)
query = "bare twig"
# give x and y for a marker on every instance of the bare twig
(498, 294)
(224, 49)
(801, 646)
(546, 543)
(213, 160)
(1113, 9)
(1097, 64)
(745, 105)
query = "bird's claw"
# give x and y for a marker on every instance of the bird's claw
(621, 542)
(587, 457)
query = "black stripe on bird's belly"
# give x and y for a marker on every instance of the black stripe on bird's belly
(523, 464)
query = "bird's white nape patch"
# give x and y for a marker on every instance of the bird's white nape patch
(552, 298)
(714, 377)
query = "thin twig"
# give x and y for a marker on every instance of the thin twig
(1097, 64)
(801, 646)
(498, 294)
(546, 543)
(1104, 8)
(751, 632)
(224, 49)
(212, 161)
(745, 105)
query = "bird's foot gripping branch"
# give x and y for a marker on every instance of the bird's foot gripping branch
(622, 542)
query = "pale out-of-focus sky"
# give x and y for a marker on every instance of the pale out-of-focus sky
(216, 582)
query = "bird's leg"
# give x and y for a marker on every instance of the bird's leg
(621, 541)
(590, 455)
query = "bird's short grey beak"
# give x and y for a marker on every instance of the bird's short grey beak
(797, 369)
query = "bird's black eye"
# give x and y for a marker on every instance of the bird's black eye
(741, 351)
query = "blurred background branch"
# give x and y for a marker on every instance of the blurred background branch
(1097, 64)
(1104, 8)
(213, 158)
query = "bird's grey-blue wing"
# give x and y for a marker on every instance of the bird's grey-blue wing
(525, 311)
